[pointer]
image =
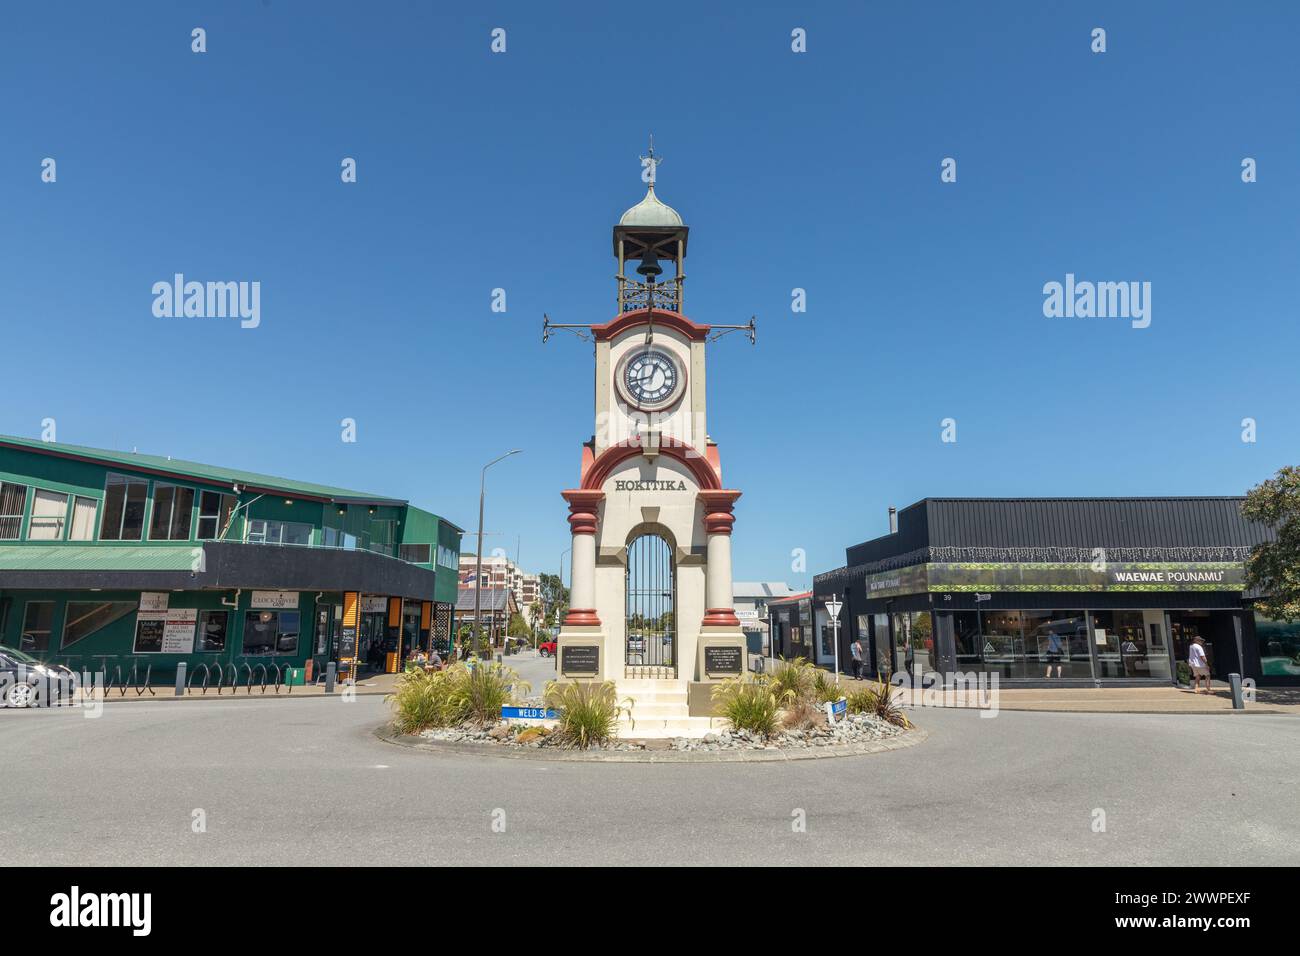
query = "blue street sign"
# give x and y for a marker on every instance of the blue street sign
(528, 713)
(839, 707)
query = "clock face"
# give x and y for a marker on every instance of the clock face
(650, 378)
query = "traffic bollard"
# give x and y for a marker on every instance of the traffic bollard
(180, 679)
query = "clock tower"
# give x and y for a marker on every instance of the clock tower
(651, 591)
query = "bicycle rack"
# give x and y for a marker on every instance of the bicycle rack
(148, 678)
(207, 674)
(277, 677)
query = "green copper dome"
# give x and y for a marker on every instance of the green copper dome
(651, 212)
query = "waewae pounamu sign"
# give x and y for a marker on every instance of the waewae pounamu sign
(1112, 576)
(579, 659)
(723, 659)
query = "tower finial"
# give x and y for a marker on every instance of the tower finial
(650, 164)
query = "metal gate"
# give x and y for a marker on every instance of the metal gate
(651, 621)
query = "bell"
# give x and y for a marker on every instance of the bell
(649, 266)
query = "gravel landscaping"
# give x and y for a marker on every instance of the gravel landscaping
(855, 729)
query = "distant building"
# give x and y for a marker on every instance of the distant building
(790, 626)
(751, 601)
(495, 609)
(501, 573)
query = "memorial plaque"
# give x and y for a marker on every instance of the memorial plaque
(723, 659)
(580, 659)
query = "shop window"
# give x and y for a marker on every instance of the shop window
(83, 519)
(966, 640)
(173, 509)
(1056, 644)
(1279, 646)
(49, 516)
(914, 642)
(84, 618)
(212, 631)
(38, 620)
(215, 510)
(261, 531)
(124, 504)
(1124, 646)
(415, 553)
(271, 632)
(1023, 644)
(13, 502)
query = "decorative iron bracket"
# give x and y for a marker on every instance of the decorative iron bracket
(750, 329)
(581, 331)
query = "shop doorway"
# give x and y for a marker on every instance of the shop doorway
(372, 640)
(1220, 640)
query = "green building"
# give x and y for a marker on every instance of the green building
(110, 560)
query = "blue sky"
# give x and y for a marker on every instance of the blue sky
(817, 170)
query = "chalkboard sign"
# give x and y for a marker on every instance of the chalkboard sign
(149, 627)
(347, 643)
(580, 659)
(723, 659)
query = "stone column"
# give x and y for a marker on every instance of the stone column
(718, 519)
(583, 506)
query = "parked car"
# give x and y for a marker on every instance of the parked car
(21, 675)
(546, 648)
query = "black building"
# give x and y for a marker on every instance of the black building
(1061, 591)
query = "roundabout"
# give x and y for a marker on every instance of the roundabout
(713, 748)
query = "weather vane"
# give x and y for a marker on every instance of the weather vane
(650, 164)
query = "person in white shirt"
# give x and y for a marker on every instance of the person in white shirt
(1199, 665)
(856, 650)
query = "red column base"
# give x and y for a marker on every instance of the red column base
(720, 617)
(581, 617)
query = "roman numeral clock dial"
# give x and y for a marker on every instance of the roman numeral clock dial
(650, 379)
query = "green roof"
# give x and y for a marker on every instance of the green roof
(116, 557)
(198, 472)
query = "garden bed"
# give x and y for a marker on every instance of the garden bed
(720, 747)
(856, 728)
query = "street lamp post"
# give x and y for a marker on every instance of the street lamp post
(478, 557)
(562, 554)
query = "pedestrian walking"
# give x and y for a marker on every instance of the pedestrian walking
(1200, 666)
(855, 649)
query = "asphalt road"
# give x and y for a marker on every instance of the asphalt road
(533, 668)
(304, 781)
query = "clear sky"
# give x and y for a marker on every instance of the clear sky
(816, 170)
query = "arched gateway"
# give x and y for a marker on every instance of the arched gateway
(651, 594)
(651, 602)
